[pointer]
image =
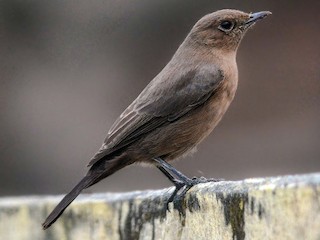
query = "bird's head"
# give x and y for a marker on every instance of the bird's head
(224, 29)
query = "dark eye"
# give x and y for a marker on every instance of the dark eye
(226, 26)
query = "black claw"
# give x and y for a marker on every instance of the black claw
(170, 199)
(178, 196)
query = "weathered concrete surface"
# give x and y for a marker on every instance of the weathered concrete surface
(272, 208)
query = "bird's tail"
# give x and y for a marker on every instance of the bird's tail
(97, 172)
(65, 202)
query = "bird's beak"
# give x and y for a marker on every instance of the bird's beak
(253, 17)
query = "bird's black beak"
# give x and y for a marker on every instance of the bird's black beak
(253, 17)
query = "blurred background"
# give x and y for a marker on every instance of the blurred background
(69, 68)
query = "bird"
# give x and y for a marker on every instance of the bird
(177, 109)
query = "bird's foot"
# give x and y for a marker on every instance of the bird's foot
(183, 187)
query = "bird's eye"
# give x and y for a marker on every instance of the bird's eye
(226, 26)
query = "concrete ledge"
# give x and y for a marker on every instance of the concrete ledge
(272, 208)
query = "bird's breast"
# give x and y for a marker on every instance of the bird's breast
(212, 111)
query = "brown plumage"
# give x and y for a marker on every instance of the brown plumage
(178, 108)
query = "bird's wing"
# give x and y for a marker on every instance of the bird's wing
(165, 99)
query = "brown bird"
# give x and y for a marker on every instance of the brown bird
(177, 109)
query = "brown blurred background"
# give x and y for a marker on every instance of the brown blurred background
(69, 68)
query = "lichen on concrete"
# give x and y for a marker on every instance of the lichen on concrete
(272, 208)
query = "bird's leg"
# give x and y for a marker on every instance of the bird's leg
(170, 170)
(172, 179)
(178, 184)
(181, 180)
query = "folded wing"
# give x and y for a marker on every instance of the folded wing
(165, 99)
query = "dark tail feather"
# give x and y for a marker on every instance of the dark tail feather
(65, 202)
(94, 175)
